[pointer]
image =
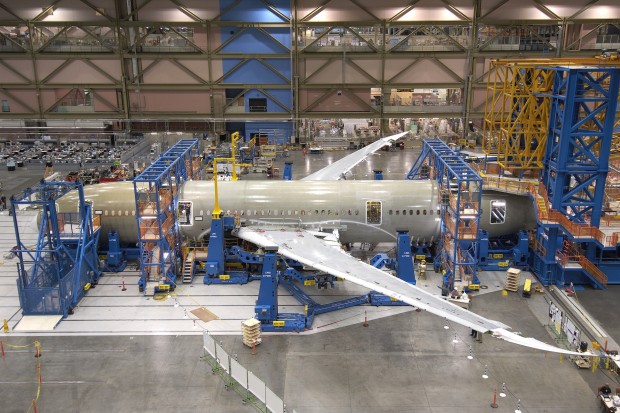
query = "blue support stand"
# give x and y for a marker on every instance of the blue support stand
(216, 256)
(267, 303)
(404, 260)
(288, 171)
(115, 257)
(378, 175)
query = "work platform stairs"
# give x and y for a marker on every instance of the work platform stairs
(549, 217)
(188, 268)
(569, 257)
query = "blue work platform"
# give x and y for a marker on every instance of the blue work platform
(55, 274)
(156, 190)
(460, 194)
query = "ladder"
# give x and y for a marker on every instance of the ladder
(188, 268)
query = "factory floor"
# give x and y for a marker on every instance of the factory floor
(407, 362)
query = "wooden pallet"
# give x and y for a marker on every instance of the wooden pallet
(513, 279)
(251, 332)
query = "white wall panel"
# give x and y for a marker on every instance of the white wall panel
(256, 386)
(209, 344)
(239, 373)
(222, 358)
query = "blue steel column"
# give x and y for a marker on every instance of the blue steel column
(583, 111)
(584, 102)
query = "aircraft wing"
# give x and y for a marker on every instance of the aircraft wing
(336, 171)
(303, 247)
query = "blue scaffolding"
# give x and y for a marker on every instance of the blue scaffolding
(460, 192)
(582, 116)
(55, 274)
(156, 190)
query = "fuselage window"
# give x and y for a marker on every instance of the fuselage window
(184, 213)
(329, 212)
(390, 212)
(357, 212)
(397, 212)
(404, 212)
(411, 212)
(303, 212)
(262, 212)
(249, 212)
(417, 212)
(430, 211)
(498, 211)
(322, 212)
(316, 212)
(289, 212)
(424, 212)
(373, 212)
(438, 212)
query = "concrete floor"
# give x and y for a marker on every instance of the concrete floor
(407, 362)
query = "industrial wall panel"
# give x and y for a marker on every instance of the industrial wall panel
(189, 102)
(602, 9)
(66, 10)
(166, 72)
(323, 71)
(356, 100)
(16, 71)
(254, 11)
(344, 10)
(166, 10)
(425, 70)
(20, 100)
(78, 71)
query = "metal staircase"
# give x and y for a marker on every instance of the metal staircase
(188, 267)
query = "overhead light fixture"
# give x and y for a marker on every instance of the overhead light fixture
(48, 11)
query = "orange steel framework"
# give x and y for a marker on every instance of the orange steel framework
(516, 116)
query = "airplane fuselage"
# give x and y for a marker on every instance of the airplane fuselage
(362, 211)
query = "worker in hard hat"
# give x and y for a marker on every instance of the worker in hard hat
(422, 269)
